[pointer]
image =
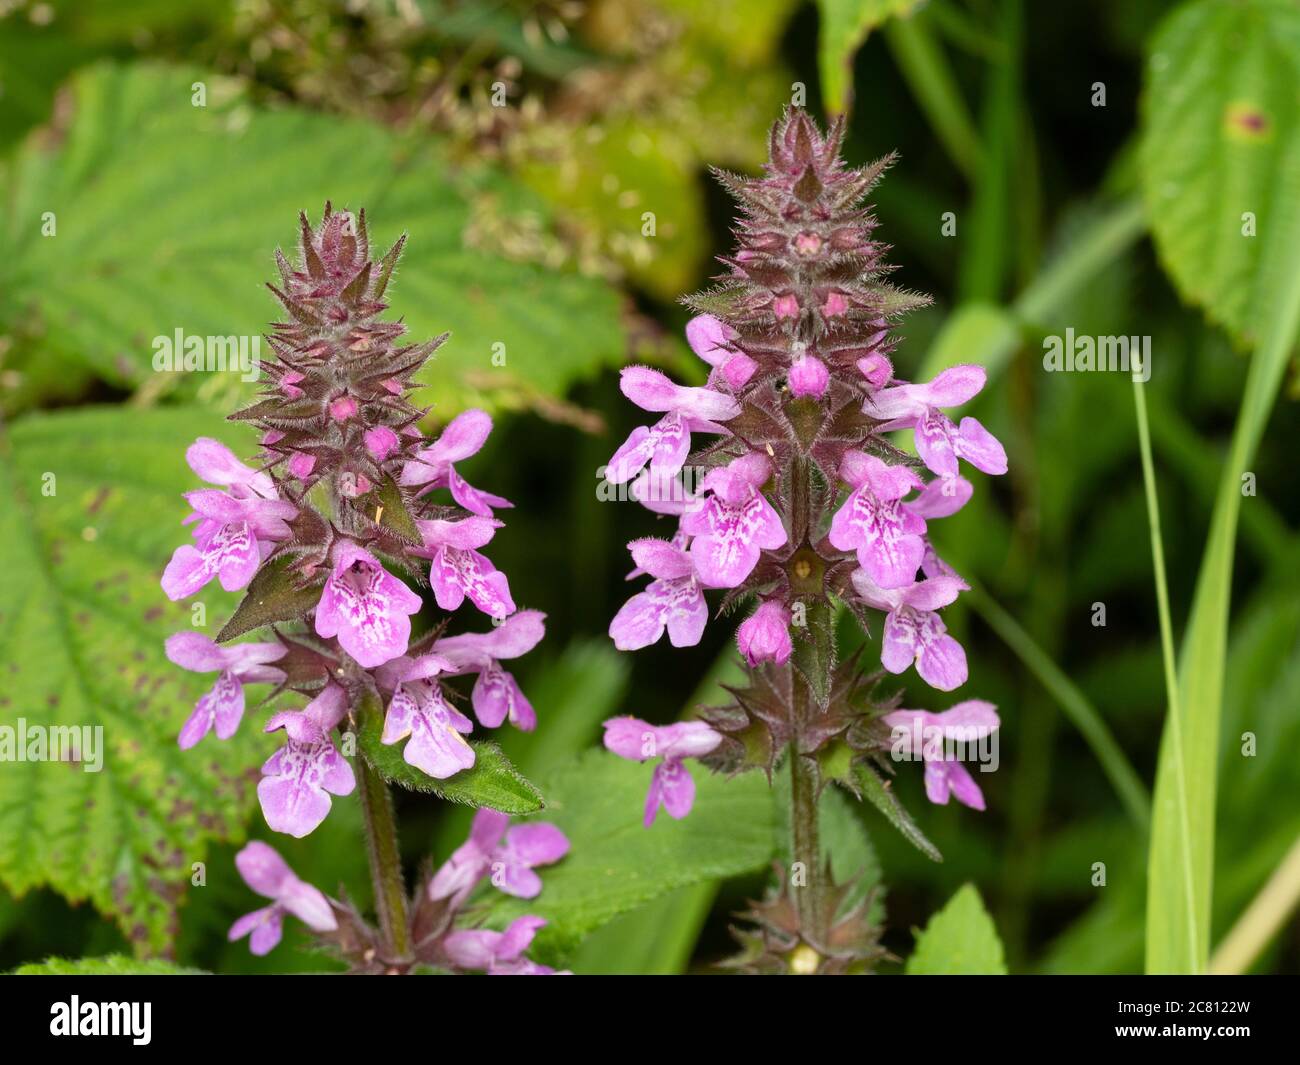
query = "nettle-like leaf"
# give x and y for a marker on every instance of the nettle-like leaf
(959, 940)
(109, 965)
(491, 781)
(1220, 154)
(141, 251)
(616, 864)
(87, 516)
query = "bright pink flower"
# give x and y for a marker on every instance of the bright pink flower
(343, 408)
(672, 601)
(498, 953)
(713, 341)
(419, 710)
(269, 875)
(238, 664)
(937, 738)
(808, 377)
(381, 442)
(458, 571)
(365, 606)
(735, 524)
(764, 636)
(671, 785)
(886, 534)
(913, 631)
(434, 466)
(299, 778)
(876, 368)
(497, 697)
(509, 857)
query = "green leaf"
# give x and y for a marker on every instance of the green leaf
(616, 864)
(845, 25)
(90, 511)
(274, 594)
(183, 243)
(1212, 66)
(875, 791)
(109, 965)
(491, 781)
(960, 940)
(1221, 138)
(387, 501)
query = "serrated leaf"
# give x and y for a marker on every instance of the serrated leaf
(845, 25)
(615, 864)
(90, 508)
(1221, 137)
(109, 965)
(275, 594)
(491, 781)
(143, 251)
(960, 940)
(873, 789)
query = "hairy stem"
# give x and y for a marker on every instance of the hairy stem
(807, 845)
(385, 858)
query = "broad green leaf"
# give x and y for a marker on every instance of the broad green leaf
(491, 781)
(959, 940)
(89, 514)
(1221, 152)
(1252, 163)
(845, 24)
(616, 864)
(185, 242)
(109, 965)
(882, 797)
(656, 940)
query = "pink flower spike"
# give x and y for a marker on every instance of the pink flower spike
(366, 607)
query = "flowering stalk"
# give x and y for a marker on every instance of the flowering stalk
(804, 504)
(331, 532)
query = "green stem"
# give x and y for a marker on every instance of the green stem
(385, 858)
(805, 839)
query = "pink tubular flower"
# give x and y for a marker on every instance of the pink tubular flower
(381, 442)
(365, 606)
(913, 631)
(434, 466)
(876, 368)
(666, 444)
(919, 732)
(239, 664)
(886, 534)
(236, 527)
(497, 697)
(671, 786)
(735, 523)
(268, 874)
(498, 953)
(459, 572)
(939, 442)
(765, 635)
(419, 710)
(509, 856)
(713, 341)
(808, 377)
(299, 778)
(672, 601)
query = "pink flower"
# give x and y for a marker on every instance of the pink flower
(299, 778)
(666, 444)
(268, 874)
(498, 953)
(238, 664)
(886, 535)
(419, 710)
(509, 856)
(671, 785)
(939, 442)
(497, 696)
(918, 732)
(458, 571)
(301, 464)
(365, 606)
(713, 341)
(735, 523)
(876, 368)
(434, 466)
(672, 601)
(381, 442)
(765, 635)
(913, 631)
(235, 527)
(808, 377)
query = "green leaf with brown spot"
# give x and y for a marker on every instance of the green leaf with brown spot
(90, 511)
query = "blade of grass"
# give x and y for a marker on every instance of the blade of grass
(1260, 921)
(1178, 914)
